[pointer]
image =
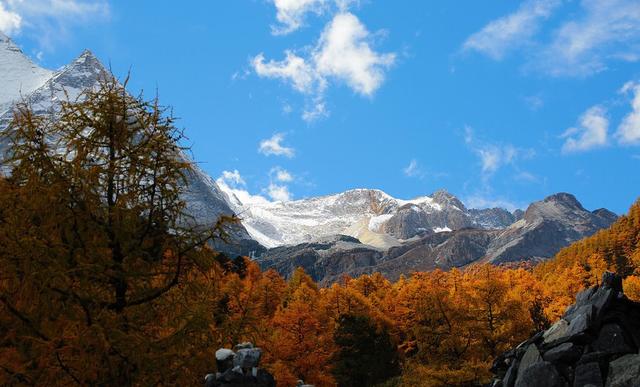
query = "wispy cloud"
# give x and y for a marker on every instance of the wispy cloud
(50, 20)
(534, 102)
(628, 132)
(273, 146)
(511, 31)
(602, 31)
(591, 133)
(343, 54)
(607, 30)
(413, 169)
(291, 13)
(494, 156)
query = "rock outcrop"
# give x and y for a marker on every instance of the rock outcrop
(239, 368)
(595, 343)
(546, 227)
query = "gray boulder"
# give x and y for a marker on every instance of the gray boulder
(596, 340)
(624, 372)
(247, 357)
(540, 374)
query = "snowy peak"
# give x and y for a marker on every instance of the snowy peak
(444, 198)
(371, 215)
(21, 79)
(19, 76)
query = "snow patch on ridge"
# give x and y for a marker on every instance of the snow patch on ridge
(19, 76)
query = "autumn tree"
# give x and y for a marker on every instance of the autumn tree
(100, 262)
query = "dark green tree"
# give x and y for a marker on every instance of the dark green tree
(366, 356)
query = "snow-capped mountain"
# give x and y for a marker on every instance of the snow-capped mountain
(19, 76)
(546, 227)
(22, 79)
(355, 231)
(371, 215)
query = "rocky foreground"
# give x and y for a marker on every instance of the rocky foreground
(595, 343)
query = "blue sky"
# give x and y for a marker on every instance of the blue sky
(499, 102)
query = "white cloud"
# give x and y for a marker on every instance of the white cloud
(238, 197)
(279, 193)
(491, 158)
(292, 69)
(234, 185)
(413, 169)
(10, 22)
(343, 53)
(273, 146)
(232, 178)
(629, 129)
(315, 109)
(511, 31)
(600, 31)
(590, 134)
(607, 30)
(49, 20)
(281, 175)
(291, 13)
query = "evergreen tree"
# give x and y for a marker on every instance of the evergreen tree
(365, 354)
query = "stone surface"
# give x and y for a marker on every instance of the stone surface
(530, 357)
(580, 323)
(595, 341)
(247, 357)
(511, 375)
(540, 374)
(557, 331)
(601, 299)
(611, 340)
(565, 352)
(588, 375)
(224, 359)
(239, 368)
(624, 372)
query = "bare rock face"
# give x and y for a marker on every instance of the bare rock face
(546, 227)
(325, 260)
(595, 343)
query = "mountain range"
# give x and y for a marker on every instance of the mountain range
(353, 232)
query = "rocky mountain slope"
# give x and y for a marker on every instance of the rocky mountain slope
(371, 215)
(21, 79)
(545, 227)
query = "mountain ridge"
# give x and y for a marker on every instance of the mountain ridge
(547, 226)
(429, 231)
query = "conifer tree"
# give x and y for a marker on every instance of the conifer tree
(98, 257)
